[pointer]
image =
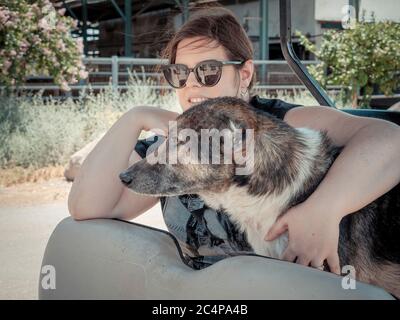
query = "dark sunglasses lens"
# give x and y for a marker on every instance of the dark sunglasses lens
(209, 73)
(176, 75)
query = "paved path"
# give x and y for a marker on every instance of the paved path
(24, 232)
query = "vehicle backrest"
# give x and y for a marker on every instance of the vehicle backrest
(393, 116)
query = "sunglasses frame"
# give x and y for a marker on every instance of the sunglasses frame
(220, 64)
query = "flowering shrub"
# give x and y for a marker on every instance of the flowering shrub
(365, 56)
(35, 39)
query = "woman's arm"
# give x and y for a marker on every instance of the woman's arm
(367, 167)
(97, 191)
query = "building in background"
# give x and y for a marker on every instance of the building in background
(151, 22)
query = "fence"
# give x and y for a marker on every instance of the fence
(116, 71)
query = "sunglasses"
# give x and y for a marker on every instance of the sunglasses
(208, 73)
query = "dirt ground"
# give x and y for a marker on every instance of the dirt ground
(38, 193)
(29, 213)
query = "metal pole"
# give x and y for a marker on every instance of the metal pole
(185, 13)
(84, 27)
(66, 6)
(264, 45)
(290, 56)
(184, 7)
(356, 5)
(118, 9)
(128, 28)
(114, 73)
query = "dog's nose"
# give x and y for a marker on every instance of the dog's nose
(125, 178)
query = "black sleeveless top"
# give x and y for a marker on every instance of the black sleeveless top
(205, 235)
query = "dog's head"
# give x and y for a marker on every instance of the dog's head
(209, 147)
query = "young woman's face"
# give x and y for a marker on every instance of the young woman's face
(194, 50)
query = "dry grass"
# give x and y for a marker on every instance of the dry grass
(37, 137)
(18, 175)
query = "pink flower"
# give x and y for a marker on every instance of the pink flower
(61, 11)
(24, 46)
(61, 45)
(64, 86)
(61, 27)
(83, 74)
(80, 45)
(13, 53)
(7, 64)
(4, 15)
(46, 51)
(44, 24)
(4, 12)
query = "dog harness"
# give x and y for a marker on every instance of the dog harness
(205, 235)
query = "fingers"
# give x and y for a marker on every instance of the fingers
(304, 261)
(279, 227)
(334, 263)
(289, 255)
(318, 264)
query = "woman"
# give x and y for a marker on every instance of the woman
(217, 57)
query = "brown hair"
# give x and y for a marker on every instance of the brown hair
(216, 24)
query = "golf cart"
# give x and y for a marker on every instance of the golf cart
(115, 259)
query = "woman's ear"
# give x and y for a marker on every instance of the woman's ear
(246, 73)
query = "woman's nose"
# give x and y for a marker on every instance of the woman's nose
(192, 81)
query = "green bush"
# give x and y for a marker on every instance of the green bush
(362, 57)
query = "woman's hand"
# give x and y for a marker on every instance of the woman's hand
(154, 119)
(313, 236)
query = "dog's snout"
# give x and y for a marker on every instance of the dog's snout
(125, 178)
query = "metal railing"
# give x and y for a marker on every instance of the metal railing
(116, 71)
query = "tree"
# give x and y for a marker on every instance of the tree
(360, 58)
(35, 39)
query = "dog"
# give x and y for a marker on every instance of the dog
(287, 166)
